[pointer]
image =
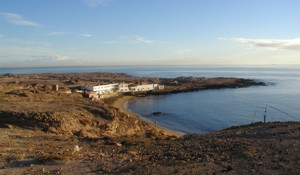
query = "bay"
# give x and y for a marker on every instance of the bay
(211, 110)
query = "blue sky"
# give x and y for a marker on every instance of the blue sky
(148, 32)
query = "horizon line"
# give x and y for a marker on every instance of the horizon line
(165, 65)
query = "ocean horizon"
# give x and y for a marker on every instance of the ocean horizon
(124, 68)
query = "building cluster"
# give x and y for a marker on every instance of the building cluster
(102, 90)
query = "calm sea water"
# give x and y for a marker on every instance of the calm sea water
(209, 110)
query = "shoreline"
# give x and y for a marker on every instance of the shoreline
(122, 101)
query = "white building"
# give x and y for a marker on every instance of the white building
(145, 87)
(101, 89)
(161, 87)
(123, 87)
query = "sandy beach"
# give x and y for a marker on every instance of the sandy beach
(120, 104)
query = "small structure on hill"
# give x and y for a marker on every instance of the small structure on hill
(55, 87)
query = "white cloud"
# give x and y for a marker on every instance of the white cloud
(273, 44)
(86, 35)
(131, 40)
(55, 58)
(58, 33)
(183, 51)
(61, 57)
(96, 3)
(141, 39)
(119, 40)
(18, 19)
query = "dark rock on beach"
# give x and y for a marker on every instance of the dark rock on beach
(158, 113)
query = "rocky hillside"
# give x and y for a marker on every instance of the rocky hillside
(271, 148)
(67, 114)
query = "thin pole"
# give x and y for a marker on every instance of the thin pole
(254, 117)
(265, 115)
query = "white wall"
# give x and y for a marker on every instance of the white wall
(123, 87)
(101, 89)
(146, 87)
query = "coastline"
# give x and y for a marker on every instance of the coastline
(122, 101)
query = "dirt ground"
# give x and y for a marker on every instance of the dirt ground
(271, 148)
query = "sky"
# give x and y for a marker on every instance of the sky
(42, 33)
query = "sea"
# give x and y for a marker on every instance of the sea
(208, 110)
